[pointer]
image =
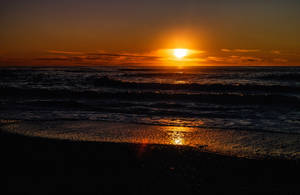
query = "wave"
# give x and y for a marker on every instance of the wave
(115, 83)
(222, 98)
(283, 77)
(139, 69)
(154, 75)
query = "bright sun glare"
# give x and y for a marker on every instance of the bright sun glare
(180, 53)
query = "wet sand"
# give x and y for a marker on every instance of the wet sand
(37, 165)
(241, 143)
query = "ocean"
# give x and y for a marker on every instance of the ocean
(247, 100)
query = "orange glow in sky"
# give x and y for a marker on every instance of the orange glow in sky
(120, 32)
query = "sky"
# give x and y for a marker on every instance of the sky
(143, 32)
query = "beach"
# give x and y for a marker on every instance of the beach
(113, 130)
(150, 97)
(36, 165)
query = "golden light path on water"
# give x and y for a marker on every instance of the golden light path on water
(229, 142)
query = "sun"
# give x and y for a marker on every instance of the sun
(180, 53)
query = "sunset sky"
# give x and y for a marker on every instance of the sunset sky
(140, 32)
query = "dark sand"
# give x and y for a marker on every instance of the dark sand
(42, 166)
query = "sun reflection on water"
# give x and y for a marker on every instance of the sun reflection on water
(178, 129)
(176, 134)
(177, 139)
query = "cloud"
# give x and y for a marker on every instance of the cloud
(240, 50)
(275, 52)
(64, 52)
(250, 59)
(101, 57)
(214, 58)
(113, 55)
(226, 50)
(51, 59)
(247, 50)
(158, 57)
(233, 60)
(281, 60)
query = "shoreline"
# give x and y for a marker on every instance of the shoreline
(246, 144)
(37, 165)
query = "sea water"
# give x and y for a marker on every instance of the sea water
(221, 99)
